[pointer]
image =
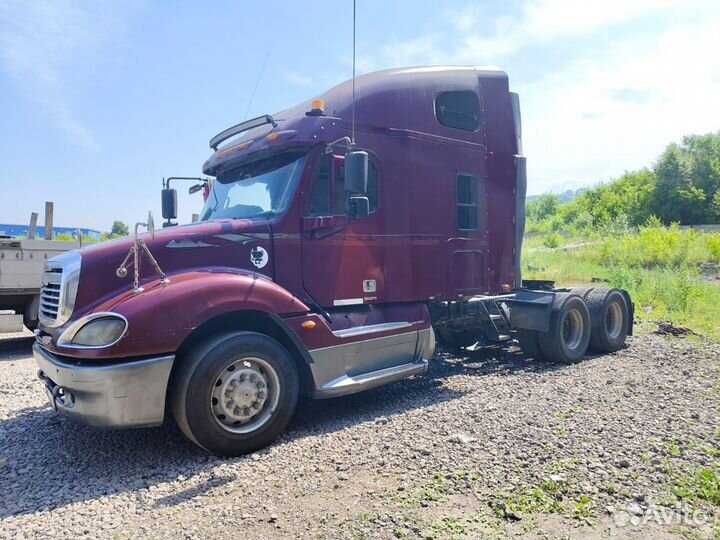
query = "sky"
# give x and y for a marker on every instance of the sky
(99, 100)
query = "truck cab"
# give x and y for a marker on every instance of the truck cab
(328, 254)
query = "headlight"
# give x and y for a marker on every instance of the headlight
(96, 330)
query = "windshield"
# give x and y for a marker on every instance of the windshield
(261, 188)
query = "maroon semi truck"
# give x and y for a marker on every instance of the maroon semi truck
(325, 262)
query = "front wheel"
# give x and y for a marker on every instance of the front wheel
(235, 393)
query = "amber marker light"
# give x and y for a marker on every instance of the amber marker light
(317, 108)
(308, 325)
(273, 137)
(505, 287)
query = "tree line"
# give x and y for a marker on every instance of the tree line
(682, 186)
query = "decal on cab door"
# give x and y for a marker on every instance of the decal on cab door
(259, 257)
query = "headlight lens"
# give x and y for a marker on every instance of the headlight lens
(100, 332)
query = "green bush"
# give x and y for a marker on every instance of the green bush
(552, 240)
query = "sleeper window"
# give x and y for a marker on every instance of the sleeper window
(467, 202)
(459, 110)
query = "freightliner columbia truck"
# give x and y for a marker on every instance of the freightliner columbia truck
(326, 261)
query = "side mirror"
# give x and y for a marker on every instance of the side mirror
(169, 203)
(359, 207)
(356, 172)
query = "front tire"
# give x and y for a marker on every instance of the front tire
(235, 393)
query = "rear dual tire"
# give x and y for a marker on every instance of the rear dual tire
(568, 336)
(585, 318)
(569, 333)
(609, 315)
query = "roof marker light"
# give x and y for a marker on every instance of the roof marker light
(317, 108)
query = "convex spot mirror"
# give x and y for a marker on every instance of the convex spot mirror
(169, 203)
(356, 172)
(359, 207)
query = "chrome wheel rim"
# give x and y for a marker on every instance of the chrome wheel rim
(245, 395)
(614, 320)
(573, 329)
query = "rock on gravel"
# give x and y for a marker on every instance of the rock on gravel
(492, 444)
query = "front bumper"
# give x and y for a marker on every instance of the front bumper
(129, 394)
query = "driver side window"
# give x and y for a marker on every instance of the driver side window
(328, 195)
(320, 194)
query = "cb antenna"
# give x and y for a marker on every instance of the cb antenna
(257, 82)
(352, 142)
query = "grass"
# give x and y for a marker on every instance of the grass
(432, 491)
(700, 485)
(659, 266)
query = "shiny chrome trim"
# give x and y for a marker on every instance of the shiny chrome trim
(126, 394)
(348, 302)
(345, 384)
(65, 339)
(61, 270)
(352, 367)
(371, 329)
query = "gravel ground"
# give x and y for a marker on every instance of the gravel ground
(489, 445)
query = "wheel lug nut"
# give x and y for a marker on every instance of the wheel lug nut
(256, 405)
(261, 395)
(229, 404)
(253, 377)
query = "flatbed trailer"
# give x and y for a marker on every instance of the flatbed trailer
(22, 264)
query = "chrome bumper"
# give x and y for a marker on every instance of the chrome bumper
(129, 394)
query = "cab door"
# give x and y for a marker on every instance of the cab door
(342, 257)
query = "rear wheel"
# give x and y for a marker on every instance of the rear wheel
(234, 394)
(609, 315)
(569, 331)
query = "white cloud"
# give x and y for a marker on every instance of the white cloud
(580, 124)
(49, 48)
(648, 76)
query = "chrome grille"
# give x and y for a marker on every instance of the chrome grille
(50, 295)
(59, 289)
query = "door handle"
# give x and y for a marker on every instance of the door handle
(314, 224)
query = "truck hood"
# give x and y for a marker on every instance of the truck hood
(233, 244)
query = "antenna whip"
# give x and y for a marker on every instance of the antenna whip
(252, 96)
(353, 80)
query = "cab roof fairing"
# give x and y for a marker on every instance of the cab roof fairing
(378, 95)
